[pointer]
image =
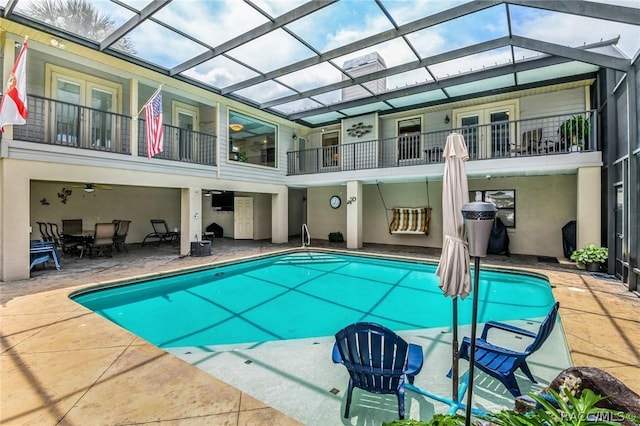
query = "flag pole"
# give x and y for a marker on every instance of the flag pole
(152, 96)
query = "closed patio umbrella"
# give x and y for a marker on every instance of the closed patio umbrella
(453, 268)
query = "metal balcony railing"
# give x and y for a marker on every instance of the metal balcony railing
(66, 124)
(181, 145)
(548, 135)
(61, 123)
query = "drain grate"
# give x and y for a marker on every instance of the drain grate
(335, 391)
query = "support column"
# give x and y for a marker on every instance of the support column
(14, 221)
(588, 207)
(190, 218)
(280, 216)
(354, 214)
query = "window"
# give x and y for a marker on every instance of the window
(330, 153)
(251, 140)
(505, 202)
(409, 138)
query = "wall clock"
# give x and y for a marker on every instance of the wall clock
(335, 201)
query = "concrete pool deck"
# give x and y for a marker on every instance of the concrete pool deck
(62, 364)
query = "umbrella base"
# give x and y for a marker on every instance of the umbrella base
(454, 406)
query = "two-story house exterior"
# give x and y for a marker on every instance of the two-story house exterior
(82, 152)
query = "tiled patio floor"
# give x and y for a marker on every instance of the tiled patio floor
(61, 364)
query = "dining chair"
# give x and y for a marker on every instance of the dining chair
(102, 241)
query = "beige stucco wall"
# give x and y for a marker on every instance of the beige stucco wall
(136, 195)
(543, 205)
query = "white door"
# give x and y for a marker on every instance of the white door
(243, 218)
(487, 130)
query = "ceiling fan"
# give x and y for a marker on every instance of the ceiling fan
(90, 187)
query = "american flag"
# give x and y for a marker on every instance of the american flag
(153, 120)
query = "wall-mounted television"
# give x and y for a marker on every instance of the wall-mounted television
(222, 201)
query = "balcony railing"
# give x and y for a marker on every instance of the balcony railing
(181, 145)
(61, 123)
(548, 135)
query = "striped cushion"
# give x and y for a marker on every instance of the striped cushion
(410, 220)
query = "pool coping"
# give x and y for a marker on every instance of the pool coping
(599, 320)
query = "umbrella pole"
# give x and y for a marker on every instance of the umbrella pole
(455, 355)
(472, 349)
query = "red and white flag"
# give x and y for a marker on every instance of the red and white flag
(153, 123)
(13, 107)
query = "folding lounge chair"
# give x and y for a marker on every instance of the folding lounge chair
(378, 360)
(161, 233)
(501, 363)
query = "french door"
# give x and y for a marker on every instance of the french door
(185, 118)
(84, 112)
(487, 130)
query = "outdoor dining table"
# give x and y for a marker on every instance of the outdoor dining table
(45, 248)
(84, 238)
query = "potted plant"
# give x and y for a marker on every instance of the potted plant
(591, 256)
(575, 130)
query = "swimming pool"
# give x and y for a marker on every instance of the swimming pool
(304, 294)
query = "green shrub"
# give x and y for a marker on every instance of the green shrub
(590, 254)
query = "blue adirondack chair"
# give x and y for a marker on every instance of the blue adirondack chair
(378, 360)
(502, 363)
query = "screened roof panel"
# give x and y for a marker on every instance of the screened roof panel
(364, 109)
(470, 63)
(283, 50)
(173, 50)
(404, 12)
(297, 106)
(212, 22)
(555, 71)
(417, 99)
(312, 77)
(107, 17)
(220, 72)
(394, 52)
(276, 7)
(466, 30)
(481, 85)
(341, 23)
(408, 78)
(264, 92)
(284, 55)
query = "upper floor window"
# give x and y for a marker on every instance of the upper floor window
(409, 138)
(251, 140)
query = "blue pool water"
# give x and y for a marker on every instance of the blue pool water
(305, 294)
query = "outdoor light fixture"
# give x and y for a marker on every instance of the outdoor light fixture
(236, 127)
(446, 119)
(478, 221)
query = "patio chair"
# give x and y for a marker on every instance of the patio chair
(529, 142)
(121, 235)
(161, 233)
(378, 360)
(500, 362)
(102, 241)
(44, 232)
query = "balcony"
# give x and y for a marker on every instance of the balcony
(65, 124)
(550, 135)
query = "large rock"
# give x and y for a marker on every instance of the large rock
(619, 397)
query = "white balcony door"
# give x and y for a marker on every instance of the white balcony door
(486, 129)
(185, 118)
(84, 107)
